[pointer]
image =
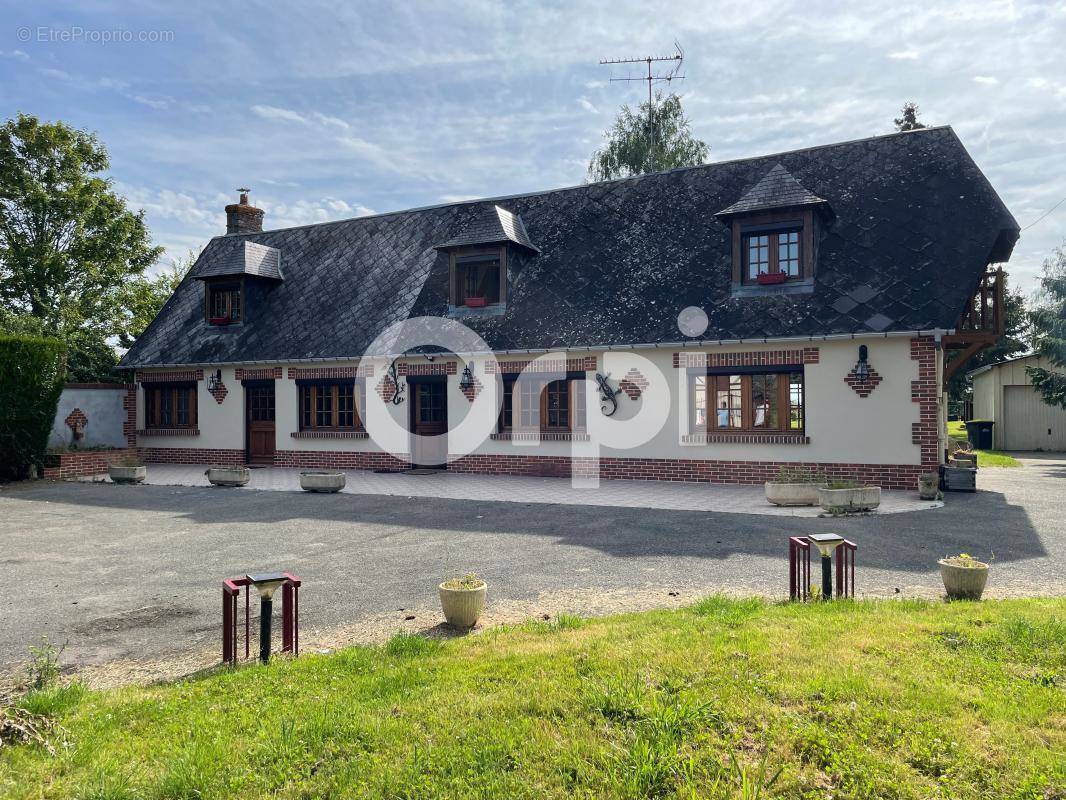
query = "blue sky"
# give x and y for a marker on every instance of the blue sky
(331, 110)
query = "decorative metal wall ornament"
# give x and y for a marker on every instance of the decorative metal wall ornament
(397, 392)
(607, 394)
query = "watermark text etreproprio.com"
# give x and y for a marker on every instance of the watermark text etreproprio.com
(76, 34)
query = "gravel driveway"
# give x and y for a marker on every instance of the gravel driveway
(126, 573)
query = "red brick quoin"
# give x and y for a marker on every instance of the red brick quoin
(924, 393)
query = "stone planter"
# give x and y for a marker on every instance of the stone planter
(792, 494)
(963, 583)
(864, 498)
(463, 607)
(322, 481)
(928, 486)
(126, 474)
(966, 460)
(228, 476)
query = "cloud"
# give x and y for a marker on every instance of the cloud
(273, 112)
(985, 80)
(18, 55)
(904, 55)
(585, 104)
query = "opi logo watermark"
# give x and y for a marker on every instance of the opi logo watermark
(76, 34)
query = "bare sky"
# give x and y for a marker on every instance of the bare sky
(332, 110)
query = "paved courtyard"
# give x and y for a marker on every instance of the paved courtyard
(133, 572)
(458, 486)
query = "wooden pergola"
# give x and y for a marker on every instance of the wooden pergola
(980, 325)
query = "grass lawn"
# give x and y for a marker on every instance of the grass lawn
(878, 699)
(985, 458)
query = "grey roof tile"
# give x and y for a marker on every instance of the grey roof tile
(619, 260)
(777, 189)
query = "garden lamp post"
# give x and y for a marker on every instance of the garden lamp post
(266, 584)
(826, 544)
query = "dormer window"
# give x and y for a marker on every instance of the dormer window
(479, 277)
(772, 255)
(223, 303)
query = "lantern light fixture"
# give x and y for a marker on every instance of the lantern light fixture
(214, 381)
(862, 368)
(467, 381)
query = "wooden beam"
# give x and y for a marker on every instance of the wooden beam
(955, 364)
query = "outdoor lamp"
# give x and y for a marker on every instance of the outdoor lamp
(214, 380)
(862, 369)
(826, 544)
(266, 584)
(467, 381)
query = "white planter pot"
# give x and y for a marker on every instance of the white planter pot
(462, 607)
(322, 481)
(865, 498)
(963, 583)
(228, 476)
(792, 494)
(121, 474)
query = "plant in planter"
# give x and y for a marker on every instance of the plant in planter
(794, 486)
(848, 496)
(929, 486)
(770, 278)
(476, 302)
(322, 481)
(964, 576)
(463, 600)
(965, 458)
(228, 476)
(128, 469)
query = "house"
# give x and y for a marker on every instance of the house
(731, 318)
(1004, 394)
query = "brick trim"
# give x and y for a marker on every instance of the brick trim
(585, 364)
(745, 438)
(115, 386)
(533, 436)
(634, 384)
(887, 476)
(268, 374)
(924, 393)
(168, 432)
(129, 405)
(316, 459)
(748, 358)
(219, 392)
(329, 435)
(174, 376)
(191, 455)
(80, 463)
(330, 373)
(861, 387)
(432, 368)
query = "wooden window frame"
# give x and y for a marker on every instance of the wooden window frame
(456, 258)
(747, 410)
(153, 407)
(771, 224)
(512, 403)
(225, 285)
(309, 392)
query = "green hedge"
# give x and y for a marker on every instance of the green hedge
(31, 379)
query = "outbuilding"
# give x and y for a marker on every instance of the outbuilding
(1004, 394)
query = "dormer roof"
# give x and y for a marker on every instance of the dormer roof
(493, 225)
(242, 258)
(776, 189)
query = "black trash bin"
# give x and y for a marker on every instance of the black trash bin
(979, 432)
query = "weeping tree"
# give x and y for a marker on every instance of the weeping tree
(653, 138)
(1049, 331)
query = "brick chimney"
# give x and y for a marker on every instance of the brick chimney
(243, 217)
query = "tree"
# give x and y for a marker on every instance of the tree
(1049, 330)
(656, 137)
(1015, 340)
(69, 247)
(909, 120)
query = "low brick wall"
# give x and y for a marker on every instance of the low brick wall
(80, 463)
(191, 455)
(318, 459)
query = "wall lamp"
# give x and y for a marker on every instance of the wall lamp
(213, 381)
(862, 368)
(467, 381)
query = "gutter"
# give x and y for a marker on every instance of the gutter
(936, 333)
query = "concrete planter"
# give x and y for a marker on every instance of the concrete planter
(463, 607)
(966, 460)
(228, 476)
(928, 486)
(864, 498)
(792, 494)
(322, 481)
(963, 583)
(121, 474)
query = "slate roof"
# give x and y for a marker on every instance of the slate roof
(776, 189)
(492, 226)
(240, 257)
(915, 224)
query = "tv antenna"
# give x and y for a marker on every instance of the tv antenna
(678, 58)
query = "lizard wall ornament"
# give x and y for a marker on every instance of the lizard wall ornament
(397, 395)
(607, 394)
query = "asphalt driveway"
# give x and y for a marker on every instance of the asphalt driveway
(123, 572)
